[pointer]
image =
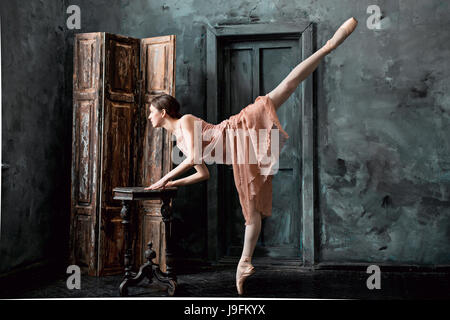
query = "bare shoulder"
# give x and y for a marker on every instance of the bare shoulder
(189, 119)
(186, 117)
(187, 122)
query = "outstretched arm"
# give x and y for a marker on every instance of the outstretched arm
(201, 174)
(187, 123)
(185, 165)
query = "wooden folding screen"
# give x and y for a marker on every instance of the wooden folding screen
(114, 145)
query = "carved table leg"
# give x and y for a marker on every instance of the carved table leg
(145, 271)
(149, 269)
(166, 212)
(125, 215)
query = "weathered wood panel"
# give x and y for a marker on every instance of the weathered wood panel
(118, 136)
(158, 62)
(87, 102)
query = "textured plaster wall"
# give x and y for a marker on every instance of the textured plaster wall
(35, 135)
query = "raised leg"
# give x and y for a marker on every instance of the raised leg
(289, 84)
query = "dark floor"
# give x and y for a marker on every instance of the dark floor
(270, 282)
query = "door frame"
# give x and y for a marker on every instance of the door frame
(215, 35)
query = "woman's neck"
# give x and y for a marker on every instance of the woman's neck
(170, 124)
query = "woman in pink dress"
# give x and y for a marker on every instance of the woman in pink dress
(253, 169)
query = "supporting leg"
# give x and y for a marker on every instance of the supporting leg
(245, 268)
(252, 232)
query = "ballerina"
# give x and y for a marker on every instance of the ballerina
(254, 188)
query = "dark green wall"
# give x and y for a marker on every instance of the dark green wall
(36, 135)
(382, 106)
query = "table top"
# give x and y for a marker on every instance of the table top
(139, 193)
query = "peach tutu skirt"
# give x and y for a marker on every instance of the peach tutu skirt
(254, 157)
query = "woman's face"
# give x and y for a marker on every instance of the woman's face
(155, 116)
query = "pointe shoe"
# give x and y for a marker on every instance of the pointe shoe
(244, 275)
(340, 35)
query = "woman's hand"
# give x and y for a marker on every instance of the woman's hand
(170, 184)
(161, 184)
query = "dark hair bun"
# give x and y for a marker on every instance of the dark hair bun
(168, 103)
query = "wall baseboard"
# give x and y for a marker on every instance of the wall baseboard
(285, 263)
(383, 267)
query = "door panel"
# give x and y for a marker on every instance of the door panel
(87, 103)
(250, 69)
(158, 66)
(118, 151)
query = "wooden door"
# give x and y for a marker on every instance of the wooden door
(119, 135)
(250, 69)
(158, 60)
(86, 148)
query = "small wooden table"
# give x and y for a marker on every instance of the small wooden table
(148, 269)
